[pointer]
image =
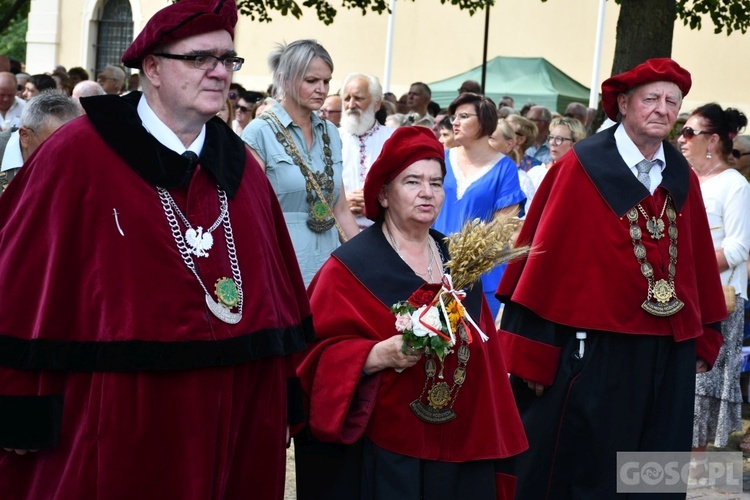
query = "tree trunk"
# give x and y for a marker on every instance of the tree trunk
(644, 30)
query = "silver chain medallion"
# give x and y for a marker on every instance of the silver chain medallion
(225, 287)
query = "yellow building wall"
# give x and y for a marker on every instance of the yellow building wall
(434, 41)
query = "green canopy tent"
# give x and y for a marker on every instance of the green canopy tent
(525, 79)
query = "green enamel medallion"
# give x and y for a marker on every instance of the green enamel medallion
(227, 293)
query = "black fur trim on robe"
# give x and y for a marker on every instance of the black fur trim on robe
(117, 122)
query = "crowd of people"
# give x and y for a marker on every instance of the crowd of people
(156, 347)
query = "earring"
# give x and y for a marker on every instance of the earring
(708, 154)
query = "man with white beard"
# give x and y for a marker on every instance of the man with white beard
(362, 137)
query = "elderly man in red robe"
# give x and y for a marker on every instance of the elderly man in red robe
(619, 302)
(150, 293)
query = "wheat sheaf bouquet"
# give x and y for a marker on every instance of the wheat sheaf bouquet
(431, 318)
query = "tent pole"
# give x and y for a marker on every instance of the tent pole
(389, 47)
(486, 37)
(594, 93)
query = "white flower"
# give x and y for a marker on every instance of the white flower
(432, 318)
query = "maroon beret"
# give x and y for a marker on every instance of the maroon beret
(181, 20)
(406, 146)
(654, 70)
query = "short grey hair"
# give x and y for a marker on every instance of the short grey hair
(117, 73)
(373, 85)
(50, 104)
(744, 140)
(289, 63)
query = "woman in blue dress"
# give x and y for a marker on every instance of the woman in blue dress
(301, 154)
(480, 181)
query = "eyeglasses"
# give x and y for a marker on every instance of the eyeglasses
(739, 154)
(207, 61)
(557, 140)
(242, 109)
(328, 111)
(689, 132)
(460, 117)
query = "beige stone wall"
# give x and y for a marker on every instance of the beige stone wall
(434, 41)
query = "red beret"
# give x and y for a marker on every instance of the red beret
(181, 20)
(405, 147)
(654, 70)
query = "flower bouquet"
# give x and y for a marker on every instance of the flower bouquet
(432, 316)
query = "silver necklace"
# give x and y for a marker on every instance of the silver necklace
(430, 254)
(198, 242)
(711, 170)
(228, 291)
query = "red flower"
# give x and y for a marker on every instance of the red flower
(424, 295)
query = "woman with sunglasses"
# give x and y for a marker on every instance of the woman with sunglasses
(706, 142)
(243, 112)
(479, 181)
(563, 133)
(301, 154)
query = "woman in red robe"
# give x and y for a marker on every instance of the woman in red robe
(370, 434)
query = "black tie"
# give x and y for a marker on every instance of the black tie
(192, 159)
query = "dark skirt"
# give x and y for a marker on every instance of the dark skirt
(365, 471)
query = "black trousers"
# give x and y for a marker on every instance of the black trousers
(627, 393)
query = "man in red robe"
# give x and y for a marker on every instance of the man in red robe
(149, 299)
(618, 303)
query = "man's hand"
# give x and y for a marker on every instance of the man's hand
(356, 200)
(701, 366)
(535, 386)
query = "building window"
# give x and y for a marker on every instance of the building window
(115, 33)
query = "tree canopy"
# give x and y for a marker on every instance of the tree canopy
(13, 25)
(726, 15)
(261, 9)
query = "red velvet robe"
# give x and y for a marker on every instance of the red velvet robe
(110, 362)
(582, 271)
(350, 298)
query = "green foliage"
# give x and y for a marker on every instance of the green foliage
(13, 40)
(261, 10)
(13, 37)
(729, 15)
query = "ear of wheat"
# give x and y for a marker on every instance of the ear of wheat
(480, 246)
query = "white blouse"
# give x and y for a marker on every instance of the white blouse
(727, 200)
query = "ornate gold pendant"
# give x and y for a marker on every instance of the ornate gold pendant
(666, 303)
(439, 395)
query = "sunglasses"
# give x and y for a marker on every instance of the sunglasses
(738, 154)
(242, 109)
(689, 132)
